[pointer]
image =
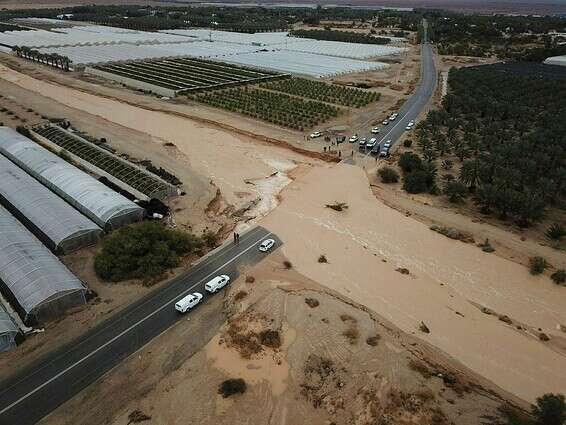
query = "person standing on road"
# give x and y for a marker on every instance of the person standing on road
(235, 237)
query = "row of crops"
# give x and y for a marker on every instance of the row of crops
(277, 108)
(318, 90)
(133, 176)
(187, 74)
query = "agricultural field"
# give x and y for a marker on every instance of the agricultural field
(187, 74)
(133, 176)
(276, 108)
(318, 90)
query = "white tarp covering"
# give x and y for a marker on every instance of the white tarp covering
(101, 204)
(85, 35)
(303, 63)
(88, 55)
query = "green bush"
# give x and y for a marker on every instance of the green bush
(555, 232)
(537, 265)
(409, 161)
(455, 191)
(388, 175)
(550, 410)
(416, 182)
(559, 276)
(142, 251)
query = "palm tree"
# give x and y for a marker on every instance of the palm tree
(470, 173)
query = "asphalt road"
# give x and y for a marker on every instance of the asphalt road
(30, 395)
(414, 104)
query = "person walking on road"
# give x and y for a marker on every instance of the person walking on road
(235, 237)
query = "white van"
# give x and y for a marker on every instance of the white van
(188, 302)
(217, 283)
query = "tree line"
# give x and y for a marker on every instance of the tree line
(53, 59)
(507, 132)
(344, 36)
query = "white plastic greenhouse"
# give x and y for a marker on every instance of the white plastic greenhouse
(36, 283)
(101, 204)
(344, 50)
(87, 55)
(58, 225)
(8, 330)
(303, 63)
(556, 60)
(85, 35)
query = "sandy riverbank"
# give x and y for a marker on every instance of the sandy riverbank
(365, 245)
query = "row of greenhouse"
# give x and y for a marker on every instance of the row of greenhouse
(47, 207)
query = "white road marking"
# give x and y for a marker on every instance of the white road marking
(128, 329)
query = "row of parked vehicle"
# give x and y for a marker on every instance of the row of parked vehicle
(190, 301)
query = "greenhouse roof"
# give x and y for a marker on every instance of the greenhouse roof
(44, 209)
(99, 202)
(28, 269)
(7, 325)
(303, 63)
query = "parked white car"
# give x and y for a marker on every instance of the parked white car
(393, 117)
(217, 283)
(353, 139)
(188, 302)
(411, 123)
(315, 134)
(266, 245)
(409, 127)
(387, 144)
(385, 122)
(375, 130)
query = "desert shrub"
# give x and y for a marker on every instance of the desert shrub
(137, 416)
(550, 409)
(455, 191)
(373, 340)
(322, 259)
(240, 295)
(407, 143)
(210, 239)
(287, 264)
(142, 250)
(409, 161)
(250, 279)
(312, 302)
(486, 246)
(270, 338)
(556, 232)
(415, 182)
(559, 276)
(388, 175)
(537, 265)
(232, 386)
(337, 206)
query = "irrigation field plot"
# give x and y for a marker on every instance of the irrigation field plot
(170, 77)
(133, 176)
(277, 108)
(318, 90)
